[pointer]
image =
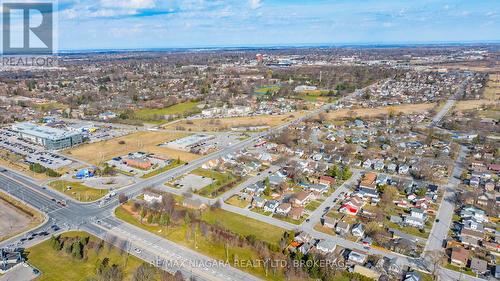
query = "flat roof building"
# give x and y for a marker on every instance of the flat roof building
(50, 138)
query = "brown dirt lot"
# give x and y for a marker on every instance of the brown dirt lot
(146, 141)
(15, 218)
(371, 112)
(492, 90)
(472, 104)
(225, 124)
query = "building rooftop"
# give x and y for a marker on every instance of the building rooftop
(42, 131)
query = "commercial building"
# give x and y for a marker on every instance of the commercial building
(50, 138)
(189, 142)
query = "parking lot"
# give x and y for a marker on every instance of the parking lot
(32, 153)
(195, 182)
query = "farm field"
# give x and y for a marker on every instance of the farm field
(369, 112)
(156, 115)
(473, 104)
(225, 124)
(146, 141)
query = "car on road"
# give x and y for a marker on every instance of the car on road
(137, 250)
(3, 170)
(308, 220)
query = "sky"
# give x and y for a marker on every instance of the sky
(136, 24)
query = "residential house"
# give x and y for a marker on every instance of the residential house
(270, 206)
(296, 213)
(327, 180)
(302, 198)
(283, 209)
(256, 188)
(403, 169)
(352, 207)
(474, 213)
(381, 179)
(258, 202)
(473, 225)
(379, 165)
(342, 228)
(326, 246)
(459, 256)
(478, 266)
(396, 219)
(303, 237)
(357, 256)
(367, 164)
(329, 222)
(319, 188)
(306, 247)
(391, 168)
(412, 276)
(397, 234)
(358, 230)
(416, 218)
(472, 234)
(276, 178)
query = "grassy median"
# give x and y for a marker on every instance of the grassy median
(78, 190)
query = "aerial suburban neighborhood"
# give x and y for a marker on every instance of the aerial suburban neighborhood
(253, 163)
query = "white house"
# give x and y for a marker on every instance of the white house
(357, 256)
(358, 230)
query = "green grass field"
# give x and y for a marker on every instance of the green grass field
(78, 191)
(265, 89)
(217, 250)
(58, 265)
(156, 115)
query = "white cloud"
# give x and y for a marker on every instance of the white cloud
(128, 4)
(255, 4)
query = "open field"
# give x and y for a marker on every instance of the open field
(225, 124)
(267, 89)
(315, 95)
(146, 141)
(473, 104)
(370, 112)
(78, 191)
(157, 115)
(182, 234)
(59, 265)
(492, 90)
(16, 217)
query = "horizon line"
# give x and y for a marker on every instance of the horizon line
(290, 45)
